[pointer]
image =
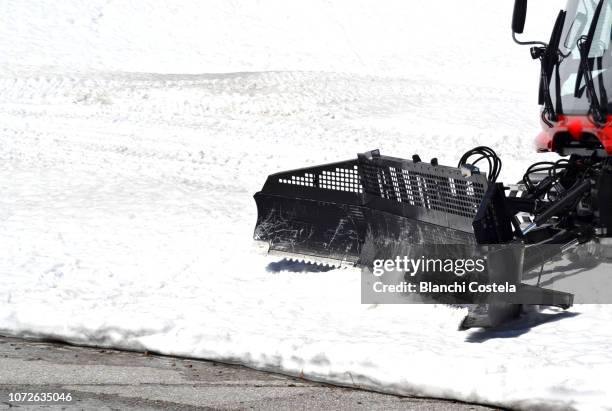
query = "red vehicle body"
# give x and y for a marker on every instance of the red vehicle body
(577, 131)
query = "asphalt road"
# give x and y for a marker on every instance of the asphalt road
(104, 379)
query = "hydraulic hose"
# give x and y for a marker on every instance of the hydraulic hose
(570, 197)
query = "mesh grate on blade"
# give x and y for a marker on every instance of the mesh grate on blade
(410, 184)
(340, 179)
(455, 195)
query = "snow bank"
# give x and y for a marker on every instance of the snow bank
(126, 213)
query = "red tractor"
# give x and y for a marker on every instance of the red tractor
(379, 207)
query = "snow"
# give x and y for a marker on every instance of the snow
(127, 176)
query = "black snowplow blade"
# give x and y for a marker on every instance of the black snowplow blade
(380, 207)
(342, 211)
(314, 212)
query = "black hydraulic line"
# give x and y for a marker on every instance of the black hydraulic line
(570, 197)
(558, 97)
(602, 88)
(585, 70)
(549, 59)
(484, 153)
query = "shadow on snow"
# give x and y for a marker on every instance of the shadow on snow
(519, 326)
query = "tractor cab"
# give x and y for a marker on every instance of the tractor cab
(576, 83)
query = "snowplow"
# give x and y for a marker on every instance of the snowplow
(376, 206)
